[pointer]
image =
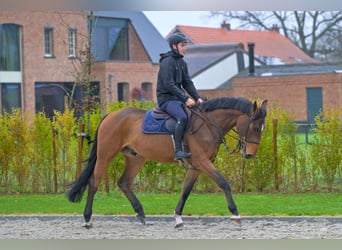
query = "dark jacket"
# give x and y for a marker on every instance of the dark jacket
(174, 79)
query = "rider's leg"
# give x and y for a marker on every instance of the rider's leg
(176, 110)
(178, 137)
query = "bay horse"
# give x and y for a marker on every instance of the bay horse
(121, 131)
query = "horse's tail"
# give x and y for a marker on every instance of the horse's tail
(78, 187)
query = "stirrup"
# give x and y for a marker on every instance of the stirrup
(181, 155)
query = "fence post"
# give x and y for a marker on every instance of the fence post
(275, 154)
(54, 160)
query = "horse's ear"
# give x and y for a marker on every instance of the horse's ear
(255, 108)
(264, 104)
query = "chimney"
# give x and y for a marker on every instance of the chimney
(251, 59)
(226, 26)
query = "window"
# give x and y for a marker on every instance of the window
(48, 31)
(123, 92)
(10, 67)
(72, 43)
(10, 96)
(110, 39)
(10, 47)
(52, 96)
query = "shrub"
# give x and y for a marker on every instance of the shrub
(27, 155)
(65, 128)
(20, 141)
(326, 149)
(6, 146)
(42, 154)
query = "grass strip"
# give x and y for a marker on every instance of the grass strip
(115, 203)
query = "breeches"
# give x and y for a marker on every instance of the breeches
(176, 110)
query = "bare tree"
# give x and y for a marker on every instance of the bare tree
(317, 33)
(82, 66)
(82, 72)
(331, 46)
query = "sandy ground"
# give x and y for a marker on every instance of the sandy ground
(162, 227)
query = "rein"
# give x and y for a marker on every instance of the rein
(241, 142)
(210, 121)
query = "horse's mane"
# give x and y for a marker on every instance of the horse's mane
(241, 104)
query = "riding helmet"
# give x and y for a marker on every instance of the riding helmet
(176, 38)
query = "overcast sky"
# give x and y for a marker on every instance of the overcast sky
(165, 21)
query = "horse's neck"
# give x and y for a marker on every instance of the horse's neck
(225, 118)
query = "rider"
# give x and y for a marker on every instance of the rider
(173, 81)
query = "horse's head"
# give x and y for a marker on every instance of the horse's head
(250, 129)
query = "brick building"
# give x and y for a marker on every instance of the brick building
(283, 74)
(302, 89)
(40, 54)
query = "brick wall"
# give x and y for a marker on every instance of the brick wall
(34, 66)
(136, 71)
(133, 73)
(216, 93)
(287, 91)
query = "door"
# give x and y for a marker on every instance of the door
(314, 103)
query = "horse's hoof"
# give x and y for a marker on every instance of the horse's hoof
(236, 220)
(179, 221)
(88, 225)
(141, 218)
(179, 225)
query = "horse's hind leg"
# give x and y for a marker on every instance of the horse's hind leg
(92, 189)
(94, 182)
(133, 166)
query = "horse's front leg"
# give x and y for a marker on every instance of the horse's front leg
(222, 182)
(190, 179)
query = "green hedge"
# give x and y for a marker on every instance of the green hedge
(40, 156)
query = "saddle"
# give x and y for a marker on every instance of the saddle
(158, 113)
(157, 121)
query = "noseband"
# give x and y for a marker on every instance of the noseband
(242, 141)
(245, 138)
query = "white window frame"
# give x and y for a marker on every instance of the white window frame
(48, 42)
(72, 42)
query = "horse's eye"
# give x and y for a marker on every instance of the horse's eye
(257, 129)
(260, 129)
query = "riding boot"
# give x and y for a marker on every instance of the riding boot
(178, 137)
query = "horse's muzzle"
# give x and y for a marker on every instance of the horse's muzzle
(249, 156)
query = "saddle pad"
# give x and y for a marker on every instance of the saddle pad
(151, 125)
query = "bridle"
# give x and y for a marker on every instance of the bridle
(241, 141)
(245, 138)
